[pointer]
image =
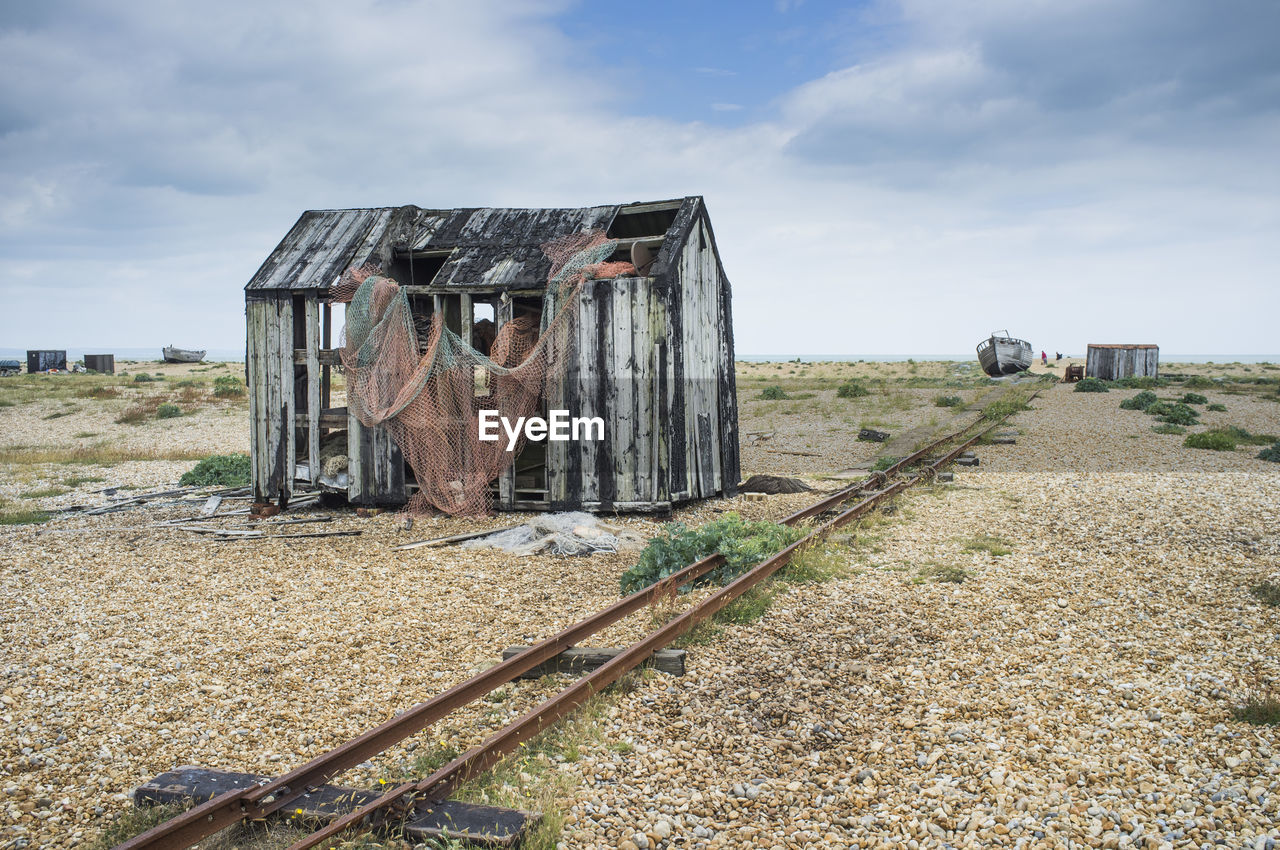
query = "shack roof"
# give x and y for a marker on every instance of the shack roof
(1119, 346)
(482, 247)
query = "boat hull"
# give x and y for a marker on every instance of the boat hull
(182, 355)
(1000, 356)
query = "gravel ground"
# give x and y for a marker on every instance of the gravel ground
(1094, 706)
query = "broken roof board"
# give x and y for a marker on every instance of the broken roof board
(490, 247)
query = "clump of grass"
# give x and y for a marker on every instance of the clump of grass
(136, 414)
(884, 463)
(1260, 708)
(994, 546)
(947, 401)
(168, 411)
(1091, 385)
(1218, 441)
(1271, 453)
(77, 480)
(939, 572)
(58, 414)
(1139, 382)
(1244, 438)
(1168, 428)
(227, 386)
(103, 392)
(219, 471)
(1268, 592)
(134, 821)
(1194, 398)
(22, 517)
(1141, 401)
(187, 382)
(852, 389)
(1219, 408)
(1198, 382)
(773, 393)
(748, 607)
(1005, 407)
(144, 378)
(819, 563)
(45, 493)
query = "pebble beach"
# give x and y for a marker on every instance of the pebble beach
(1046, 652)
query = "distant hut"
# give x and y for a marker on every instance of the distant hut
(654, 357)
(44, 360)
(1112, 362)
(104, 363)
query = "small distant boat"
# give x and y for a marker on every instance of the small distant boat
(181, 355)
(1001, 354)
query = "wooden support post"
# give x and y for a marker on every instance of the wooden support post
(580, 660)
(468, 318)
(487, 826)
(326, 342)
(312, 304)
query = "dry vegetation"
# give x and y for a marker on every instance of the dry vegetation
(1072, 645)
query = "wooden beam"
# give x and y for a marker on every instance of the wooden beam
(312, 310)
(579, 660)
(487, 826)
(325, 356)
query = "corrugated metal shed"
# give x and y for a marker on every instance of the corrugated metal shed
(487, 247)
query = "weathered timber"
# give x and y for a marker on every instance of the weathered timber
(103, 363)
(211, 506)
(582, 659)
(1112, 362)
(967, 461)
(487, 826)
(452, 538)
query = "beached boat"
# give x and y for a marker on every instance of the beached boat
(181, 355)
(1001, 354)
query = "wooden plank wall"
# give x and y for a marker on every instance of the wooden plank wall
(269, 368)
(375, 466)
(1110, 364)
(700, 315)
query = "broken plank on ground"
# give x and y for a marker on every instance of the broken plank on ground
(583, 659)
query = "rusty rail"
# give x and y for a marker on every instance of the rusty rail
(260, 801)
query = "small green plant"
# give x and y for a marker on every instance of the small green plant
(1198, 382)
(136, 414)
(227, 386)
(219, 471)
(948, 401)
(1272, 453)
(994, 546)
(1218, 441)
(743, 544)
(168, 411)
(1168, 428)
(1139, 382)
(45, 493)
(144, 378)
(748, 607)
(1173, 412)
(103, 392)
(1245, 438)
(1268, 592)
(1091, 385)
(22, 517)
(1219, 408)
(77, 480)
(773, 393)
(819, 563)
(852, 389)
(1141, 401)
(884, 463)
(1005, 407)
(1194, 398)
(1258, 709)
(938, 572)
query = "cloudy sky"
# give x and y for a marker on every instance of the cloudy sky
(884, 177)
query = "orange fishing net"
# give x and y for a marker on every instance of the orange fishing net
(430, 398)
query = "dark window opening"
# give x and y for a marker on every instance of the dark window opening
(418, 268)
(645, 220)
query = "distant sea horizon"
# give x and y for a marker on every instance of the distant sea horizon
(214, 355)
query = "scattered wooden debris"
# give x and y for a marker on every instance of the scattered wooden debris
(873, 436)
(211, 506)
(798, 454)
(452, 538)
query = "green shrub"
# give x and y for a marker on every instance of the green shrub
(1198, 382)
(1259, 709)
(773, 393)
(1272, 454)
(1091, 385)
(1168, 428)
(143, 378)
(219, 471)
(1139, 382)
(1194, 398)
(1005, 407)
(226, 386)
(168, 411)
(1245, 438)
(948, 401)
(1173, 412)
(742, 543)
(1268, 592)
(884, 463)
(852, 389)
(1220, 408)
(1141, 401)
(1218, 441)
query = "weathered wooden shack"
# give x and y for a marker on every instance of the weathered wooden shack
(1112, 362)
(104, 363)
(654, 357)
(42, 360)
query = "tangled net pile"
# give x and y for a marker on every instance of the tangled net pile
(430, 401)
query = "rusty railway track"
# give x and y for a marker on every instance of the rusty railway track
(260, 801)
